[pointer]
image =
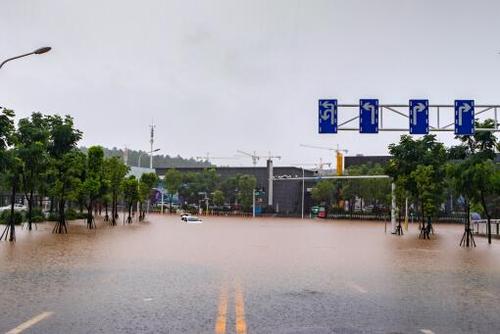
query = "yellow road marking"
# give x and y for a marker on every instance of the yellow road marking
(241, 325)
(220, 324)
(29, 323)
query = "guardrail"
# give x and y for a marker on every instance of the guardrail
(482, 223)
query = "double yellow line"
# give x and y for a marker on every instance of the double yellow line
(239, 308)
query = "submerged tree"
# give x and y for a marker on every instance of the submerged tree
(246, 186)
(146, 184)
(173, 182)
(406, 158)
(130, 194)
(92, 184)
(32, 144)
(67, 162)
(115, 171)
(323, 192)
(6, 140)
(12, 179)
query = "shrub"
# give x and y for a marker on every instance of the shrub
(5, 217)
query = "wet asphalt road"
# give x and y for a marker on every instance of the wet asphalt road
(231, 275)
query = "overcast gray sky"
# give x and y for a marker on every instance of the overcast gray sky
(217, 76)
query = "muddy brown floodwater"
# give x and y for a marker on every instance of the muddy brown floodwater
(236, 275)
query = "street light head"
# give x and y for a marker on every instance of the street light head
(156, 150)
(42, 50)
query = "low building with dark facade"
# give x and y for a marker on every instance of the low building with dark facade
(287, 195)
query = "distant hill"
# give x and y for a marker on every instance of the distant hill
(158, 160)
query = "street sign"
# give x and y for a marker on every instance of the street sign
(327, 116)
(419, 117)
(368, 116)
(464, 117)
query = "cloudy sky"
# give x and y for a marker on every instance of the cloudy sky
(218, 76)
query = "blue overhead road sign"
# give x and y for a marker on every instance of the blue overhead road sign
(419, 117)
(368, 116)
(464, 117)
(327, 116)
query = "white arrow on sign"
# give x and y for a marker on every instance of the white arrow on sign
(328, 111)
(416, 109)
(370, 107)
(463, 109)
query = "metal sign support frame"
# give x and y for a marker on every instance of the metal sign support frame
(436, 128)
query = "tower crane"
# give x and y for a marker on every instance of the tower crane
(209, 158)
(256, 158)
(339, 155)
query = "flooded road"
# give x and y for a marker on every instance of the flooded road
(235, 275)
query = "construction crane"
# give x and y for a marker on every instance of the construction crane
(339, 155)
(256, 158)
(209, 158)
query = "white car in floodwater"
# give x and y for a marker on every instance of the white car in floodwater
(190, 219)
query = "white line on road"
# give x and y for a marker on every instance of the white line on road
(357, 287)
(29, 323)
(427, 331)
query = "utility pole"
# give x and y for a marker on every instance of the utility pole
(151, 141)
(253, 203)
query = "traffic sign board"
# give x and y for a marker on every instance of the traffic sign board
(368, 116)
(464, 117)
(419, 117)
(327, 116)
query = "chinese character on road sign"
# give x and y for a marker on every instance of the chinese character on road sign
(327, 116)
(419, 117)
(368, 116)
(464, 117)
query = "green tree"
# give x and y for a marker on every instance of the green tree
(12, 179)
(32, 145)
(67, 163)
(479, 152)
(130, 187)
(486, 183)
(6, 131)
(91, 187)
(430, 196)
(323, 192)
(218, 198)
(481, 143)
(246, 186)
(146, 184)
(407, 156)
(115, 171)
(461, 180)
(173, 180)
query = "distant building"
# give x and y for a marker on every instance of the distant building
(287, 195)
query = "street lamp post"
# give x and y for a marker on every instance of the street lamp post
(36, 52)
(142, 153)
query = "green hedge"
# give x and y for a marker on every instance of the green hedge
(5, 217)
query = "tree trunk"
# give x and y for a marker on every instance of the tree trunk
(12, 236)
(30, 210)
(129, 218)
(90, 216)
(488, 225)
(113, 210)
(106, 217)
